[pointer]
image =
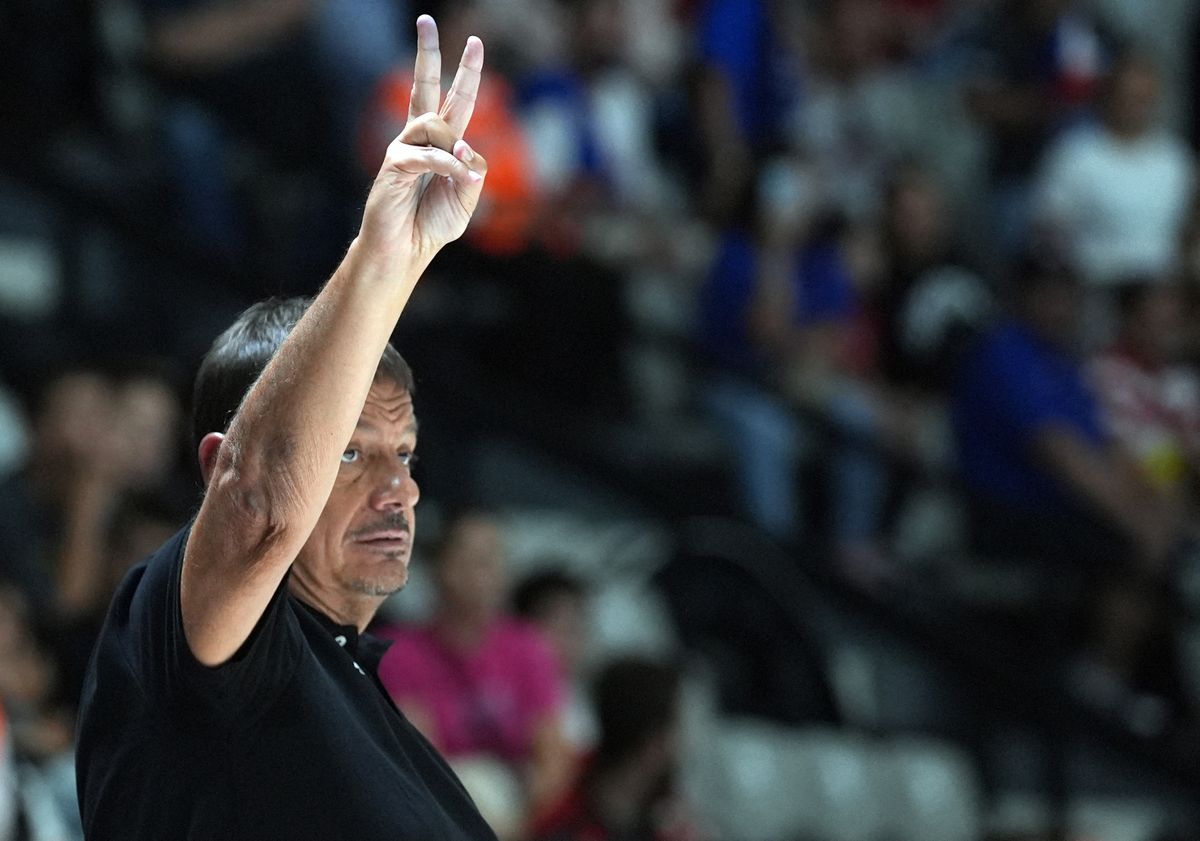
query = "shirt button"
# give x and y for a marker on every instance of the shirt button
(340, 640)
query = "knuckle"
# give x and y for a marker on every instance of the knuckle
(394, 150)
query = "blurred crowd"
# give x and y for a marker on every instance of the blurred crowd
(944, 239)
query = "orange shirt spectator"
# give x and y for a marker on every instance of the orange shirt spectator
(504, 220)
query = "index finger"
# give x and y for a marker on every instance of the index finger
(460, 102)
(427, 72)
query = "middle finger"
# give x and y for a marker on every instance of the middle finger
(460, 102)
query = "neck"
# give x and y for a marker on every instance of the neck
(355, 609)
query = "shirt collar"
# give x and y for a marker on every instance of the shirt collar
(365, 648)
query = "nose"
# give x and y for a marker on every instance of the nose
(396, 489)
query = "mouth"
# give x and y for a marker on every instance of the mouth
(389, 541)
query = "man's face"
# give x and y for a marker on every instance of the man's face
(363, 540)
(1053, 308)
(1134, 98)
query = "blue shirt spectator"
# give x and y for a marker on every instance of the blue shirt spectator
(735, 37)
(1013, 385)
(821, 292)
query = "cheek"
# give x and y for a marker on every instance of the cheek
(340, 510)
(347, 476)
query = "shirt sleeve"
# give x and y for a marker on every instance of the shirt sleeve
(237, 692)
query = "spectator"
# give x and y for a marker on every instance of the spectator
(859, 115)
(556, 602)
(475, 681)
(741, 88)
(36, 729)
(503, 223)
(69, 421)
(784, 319)
(94, 439)
(285, 77)
(1039, 63)
(591, 120)
(1150, 402)
(927, 304)
(97, 440)
(757, 425)
(1048, 483)
(1117, 193)
(626, 789)
(1045, 477)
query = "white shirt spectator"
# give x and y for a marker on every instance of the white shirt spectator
(1119, 203)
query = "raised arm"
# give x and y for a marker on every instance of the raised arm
(272, 474)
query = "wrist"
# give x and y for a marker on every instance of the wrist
(374, 264)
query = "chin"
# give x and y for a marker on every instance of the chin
(377, 582)
(381, 587)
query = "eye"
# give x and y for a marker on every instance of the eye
(350, 456)
(407, 457)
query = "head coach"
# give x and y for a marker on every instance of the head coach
(232, 694)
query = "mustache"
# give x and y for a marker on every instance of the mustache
(396, 521)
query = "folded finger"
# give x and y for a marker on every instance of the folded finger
(427, 72)
(460, 102)
(429, 130)
(419, 160)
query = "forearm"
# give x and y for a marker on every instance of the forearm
(81, 561)
(550, 765)
(1093, 477)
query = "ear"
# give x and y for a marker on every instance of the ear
(207, 452)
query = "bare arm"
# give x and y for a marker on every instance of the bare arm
(84, 555)
(550, 762)
(276, 467)
(1109, 488)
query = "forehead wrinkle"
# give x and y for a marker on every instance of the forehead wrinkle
(410, 428)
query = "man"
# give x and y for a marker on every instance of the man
(1045, 478)
(1117, 192)
(1047, 482)
(232, 694)
(1149, 397)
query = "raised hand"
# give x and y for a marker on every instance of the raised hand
(430, 181)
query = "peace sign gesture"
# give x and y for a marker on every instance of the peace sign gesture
(431, 178)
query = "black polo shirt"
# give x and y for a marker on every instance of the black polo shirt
(294, 738)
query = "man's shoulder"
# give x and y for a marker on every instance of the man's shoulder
(153, 572)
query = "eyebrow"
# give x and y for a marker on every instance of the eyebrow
(370, 427)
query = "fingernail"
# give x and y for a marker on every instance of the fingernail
(475, 177)
(465, 152)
